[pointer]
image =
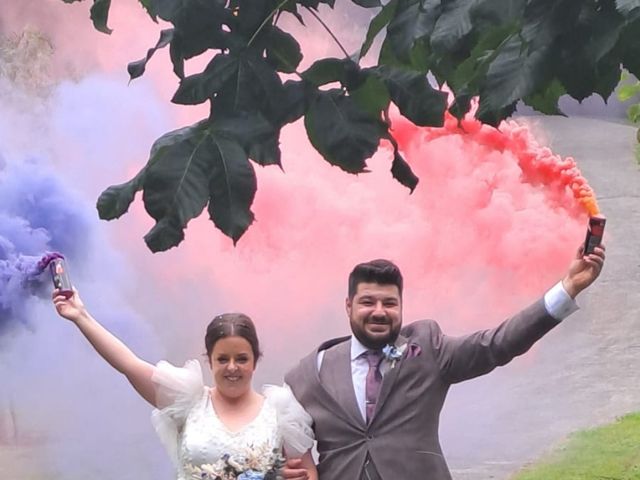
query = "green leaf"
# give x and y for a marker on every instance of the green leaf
(148, 5)
(199, 26)
(414, 95)
(402, 172)
(344, 134)
(176, 182)
(461, 105)
(378, 22)
(372, 96)
(100, 15)
(400, 169)
(546, 101)
(196, 89)
(165, 234)
(294, 101)
(452, 25)
(413, 21)
(292, 7)
(515, 72)
(633, 113)
(232, 188)
(626, 6)
(283, 51)
(255, 87)
(329, 70)
(627, 92)
(115, 200)
(258, 136)
(629, 44)
(494, 117)
(267, 151)
(367, 3)
(136, 69)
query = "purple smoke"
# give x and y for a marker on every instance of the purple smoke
(38, 214)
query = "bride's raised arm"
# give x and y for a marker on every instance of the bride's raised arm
(114, 351)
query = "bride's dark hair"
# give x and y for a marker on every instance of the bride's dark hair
(232, 325)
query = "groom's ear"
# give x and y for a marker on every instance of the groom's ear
(347, 306)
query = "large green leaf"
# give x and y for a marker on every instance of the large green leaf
(630, 47)
(413, 21)
(176, 182)
(254, 132)
(283, 51)
(546, 100)
(515, 72)
(371, 96)
(100, 15)
(199, 87)
(115, 200)
(343, 133)
(378, 22)
(414, 95)
(453, 24)
(199, 26)
(136, 69)
(293, 102)
(233, 186)
(329, 70)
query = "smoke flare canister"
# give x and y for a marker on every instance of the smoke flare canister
(595, 232)
(60, 276)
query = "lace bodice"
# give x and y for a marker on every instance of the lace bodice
(197, 440)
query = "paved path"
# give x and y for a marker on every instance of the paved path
(585, 373)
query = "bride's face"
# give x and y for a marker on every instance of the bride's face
(232, 364)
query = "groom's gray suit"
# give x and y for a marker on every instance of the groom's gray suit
(401, 440)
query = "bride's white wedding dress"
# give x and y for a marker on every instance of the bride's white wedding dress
(201, 446)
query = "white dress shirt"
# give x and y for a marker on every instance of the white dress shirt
(557, 302)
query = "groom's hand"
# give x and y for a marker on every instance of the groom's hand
(294, 470)
(584, 269)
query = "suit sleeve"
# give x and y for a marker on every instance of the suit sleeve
(469, 356)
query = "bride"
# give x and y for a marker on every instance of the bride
(228, 432)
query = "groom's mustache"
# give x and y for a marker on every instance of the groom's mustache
(379, 320)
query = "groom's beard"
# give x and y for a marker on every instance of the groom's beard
(374, 342)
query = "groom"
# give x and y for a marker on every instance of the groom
(375, 396)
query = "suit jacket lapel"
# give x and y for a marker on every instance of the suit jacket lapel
(336, 378)
(390, 377)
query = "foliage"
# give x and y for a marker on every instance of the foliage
(501, 51)
(606, 452)
(628, 91)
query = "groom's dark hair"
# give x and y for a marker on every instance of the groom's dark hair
(379, 271)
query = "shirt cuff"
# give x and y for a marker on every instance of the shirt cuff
(558, 302)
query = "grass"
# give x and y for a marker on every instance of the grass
(611, 452)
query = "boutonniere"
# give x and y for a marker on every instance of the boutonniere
(393, 353)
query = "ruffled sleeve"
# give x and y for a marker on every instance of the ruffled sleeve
(177, 390)
(294, 423)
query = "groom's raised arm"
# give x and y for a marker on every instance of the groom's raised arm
(462, 358)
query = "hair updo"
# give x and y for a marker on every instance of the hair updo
(232, 325)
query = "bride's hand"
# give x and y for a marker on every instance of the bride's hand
(294, 470)
(70, 308)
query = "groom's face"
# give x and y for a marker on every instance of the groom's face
(375, 314)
